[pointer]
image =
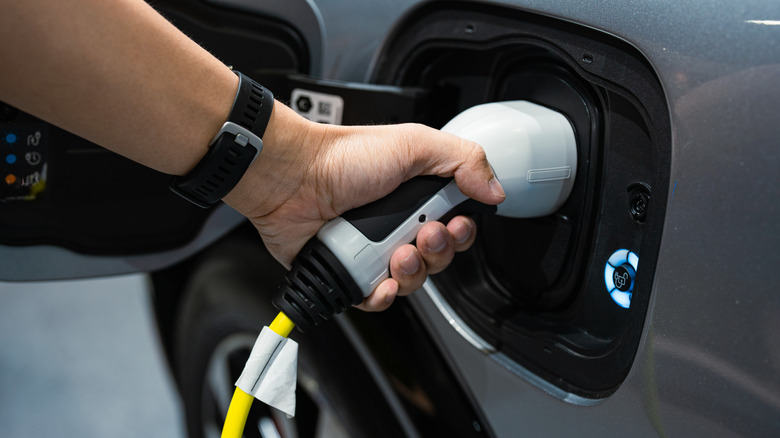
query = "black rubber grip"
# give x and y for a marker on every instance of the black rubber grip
(316, 288)
(378, 219)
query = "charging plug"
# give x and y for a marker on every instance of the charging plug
(533, 153)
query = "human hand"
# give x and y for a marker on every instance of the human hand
(310, 173)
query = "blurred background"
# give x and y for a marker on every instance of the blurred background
(82, 359)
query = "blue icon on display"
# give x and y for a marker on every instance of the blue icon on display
(10, 138)
(619, 275)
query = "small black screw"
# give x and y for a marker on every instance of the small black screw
(638, 200)
(638, 205)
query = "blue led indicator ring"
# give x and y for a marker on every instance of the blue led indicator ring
(619, 275)
(10, 158)
(10, 138)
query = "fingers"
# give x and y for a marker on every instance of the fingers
(408, 268)
(463, 233)
(437, 247)
(408, 273)
(410, 265)
(382, 297)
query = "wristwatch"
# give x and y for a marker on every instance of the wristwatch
(232, 150)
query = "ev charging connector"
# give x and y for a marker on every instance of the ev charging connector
(533, 153)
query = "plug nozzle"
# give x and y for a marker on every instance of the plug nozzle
(532, 149)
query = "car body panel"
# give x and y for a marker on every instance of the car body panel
(709, 358)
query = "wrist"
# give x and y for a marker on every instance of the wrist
(232, 150)
(279, 171)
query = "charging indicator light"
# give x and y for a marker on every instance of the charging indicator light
(619, 275)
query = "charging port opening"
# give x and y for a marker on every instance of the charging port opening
(537, 289)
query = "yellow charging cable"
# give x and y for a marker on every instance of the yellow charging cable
(241, 402)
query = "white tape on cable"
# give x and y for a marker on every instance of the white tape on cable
(270, 373)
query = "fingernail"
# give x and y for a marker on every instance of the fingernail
(410, 264)
(496, 188)
(436, 242)
(462, 232)
(389, 298)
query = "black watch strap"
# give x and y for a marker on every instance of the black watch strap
(232, 150)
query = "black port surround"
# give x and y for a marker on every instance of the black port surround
(535, 289)
(97, 202)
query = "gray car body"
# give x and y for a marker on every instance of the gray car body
(709, 361)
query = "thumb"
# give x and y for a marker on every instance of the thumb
(475, 177)
(446, 155)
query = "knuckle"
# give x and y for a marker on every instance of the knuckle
(477, 154)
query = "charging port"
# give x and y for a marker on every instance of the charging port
(537, 289)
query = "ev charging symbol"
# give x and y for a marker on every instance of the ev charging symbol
(622, 279)
(619, 274)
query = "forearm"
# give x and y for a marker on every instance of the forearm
(123, 78)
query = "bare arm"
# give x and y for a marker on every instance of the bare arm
(118, 74)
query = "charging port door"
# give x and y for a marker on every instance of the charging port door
(564, 297)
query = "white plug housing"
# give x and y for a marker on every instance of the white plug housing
(531, 148)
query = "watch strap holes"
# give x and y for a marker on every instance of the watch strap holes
(229, 156)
